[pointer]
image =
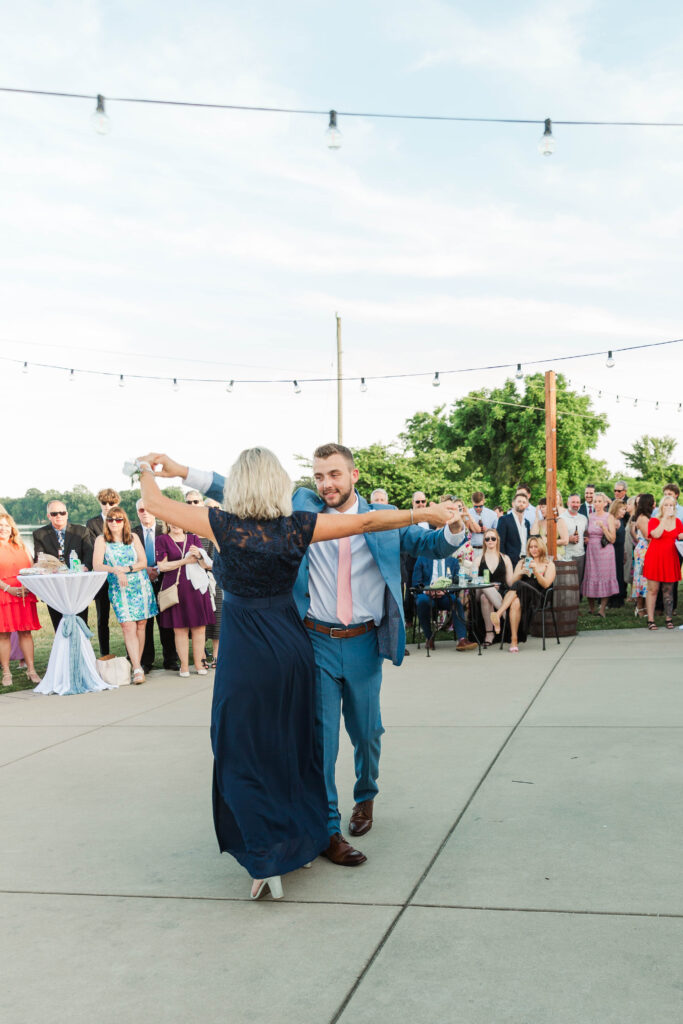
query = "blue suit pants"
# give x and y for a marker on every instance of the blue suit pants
(348, 680)
(424, 604)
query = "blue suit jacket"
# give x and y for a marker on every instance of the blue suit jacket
(509, 537)
(386, 549)
(424, 567)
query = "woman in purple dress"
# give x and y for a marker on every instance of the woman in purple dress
(600, 577)
(177, 553)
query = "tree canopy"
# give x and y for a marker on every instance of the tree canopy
(650, 457)
(81, 503)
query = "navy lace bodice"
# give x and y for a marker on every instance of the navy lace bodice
(259, 557)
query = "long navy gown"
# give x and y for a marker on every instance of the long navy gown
(269, 799)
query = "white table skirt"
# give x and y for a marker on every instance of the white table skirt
(69, 593)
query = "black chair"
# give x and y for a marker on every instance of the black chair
(434, 618)
(547, 602)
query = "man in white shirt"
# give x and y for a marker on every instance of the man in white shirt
(577, 525)
(484, 517)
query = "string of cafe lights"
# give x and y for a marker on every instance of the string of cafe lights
(333, 135)
(175, 382)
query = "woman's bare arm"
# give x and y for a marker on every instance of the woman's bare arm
(331, 527)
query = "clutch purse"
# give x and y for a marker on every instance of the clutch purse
(170, 596)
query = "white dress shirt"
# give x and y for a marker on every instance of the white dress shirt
(489, 521)
(577, 523)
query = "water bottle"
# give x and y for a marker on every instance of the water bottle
(74, 562)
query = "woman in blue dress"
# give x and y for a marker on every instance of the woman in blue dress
(119, 552)
(269, 799)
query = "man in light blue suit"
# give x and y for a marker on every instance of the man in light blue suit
(348, 654)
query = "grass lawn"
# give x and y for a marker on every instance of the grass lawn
(43, 645)
(617, 618)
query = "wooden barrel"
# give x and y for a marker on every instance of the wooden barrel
(566, 599)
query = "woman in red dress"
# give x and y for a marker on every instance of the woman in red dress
(17, 606)
(661, 563)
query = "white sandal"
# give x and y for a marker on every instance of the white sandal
(138, 677)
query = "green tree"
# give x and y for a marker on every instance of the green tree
(651, 458)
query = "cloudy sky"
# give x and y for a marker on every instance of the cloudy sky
(218, 244)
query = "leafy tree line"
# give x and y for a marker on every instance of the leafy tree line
(81, 503)
(494, 439)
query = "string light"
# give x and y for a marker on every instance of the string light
(635, 403)
(25, 368)
(72, 376)
(99, 119)
(363, 385)
(229, 387)
(122, 382)
(333, 135)
(176, 385)
(297, 387)
(610, 360)
(436, 383)
(546, 146)
(518, 372)
(679, 407)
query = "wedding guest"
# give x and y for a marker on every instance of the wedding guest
(17, 606)
(618, 512)
(148, 530)
(620, 492)
(427, 571)
(379, 497)
(176, 553)
(270, 799)
(530, 510)
(213, 630)
(587, 506)
(661, 565)
(642, 515)
(540, 527)
(59, 538)
(513, 528)
(485, 518)
(499, 568)
(631, 539)
(120, 553)
(531, 577)
(108, 499)
(576, 528)
(600, 578)
(407, 563)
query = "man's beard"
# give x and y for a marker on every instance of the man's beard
(334, 500)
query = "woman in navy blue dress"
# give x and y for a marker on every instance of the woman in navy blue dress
(269, 799)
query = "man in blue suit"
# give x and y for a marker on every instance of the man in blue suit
(348, 654)
(426, 571)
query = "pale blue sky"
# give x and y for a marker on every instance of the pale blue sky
(234, 237)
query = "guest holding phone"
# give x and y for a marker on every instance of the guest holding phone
(661, 564)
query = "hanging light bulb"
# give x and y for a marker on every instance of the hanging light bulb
(546, 146)
(24, 368)
(99, 119)
(333, 135)
(122, 382)
(657, 406)
(599, 394)
(519, 373)
(436, 383)
(610, 360)
(297, 387)
(176, 385)
(617, 399)
(72, 376)
(635, 403)
(679, 407)
(363, 385)
(230, 386)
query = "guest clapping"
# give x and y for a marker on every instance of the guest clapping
(120, 553)
(17, 606)
(600, 577)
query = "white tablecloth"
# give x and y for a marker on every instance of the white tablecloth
(69, 593)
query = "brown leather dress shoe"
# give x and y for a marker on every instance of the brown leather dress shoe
(361, 818)
(341, 852)
(429, 643)
(465, 645)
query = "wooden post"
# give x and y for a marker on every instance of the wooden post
(551, 460)
(340, 417)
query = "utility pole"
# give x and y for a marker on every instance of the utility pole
(340, 416)
(551, 461)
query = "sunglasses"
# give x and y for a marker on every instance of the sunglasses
(193, 501)
(477, 506)
(55, 514)
(491, 539)
(420, 501)
(115, 519)
(109, 504)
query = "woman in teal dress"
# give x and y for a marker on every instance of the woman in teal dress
(119, 552)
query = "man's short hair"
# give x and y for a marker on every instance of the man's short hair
(54, 501)
(379, 490)
(573, 496)
(140, 501)
(589, 485)
(477, 497)
(523, 491)
(525, 488)
(108, 494)
(674, 488)
(327, 450)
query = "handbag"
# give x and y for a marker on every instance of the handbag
(170, 596)
(604, 542)
(115, 671)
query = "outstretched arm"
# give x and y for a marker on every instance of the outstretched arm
(192, 518)
(331, 527)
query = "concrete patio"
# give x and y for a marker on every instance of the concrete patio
(525, 863)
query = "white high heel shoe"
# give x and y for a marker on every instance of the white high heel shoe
(274, 883)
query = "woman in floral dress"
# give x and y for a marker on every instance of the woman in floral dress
(642, 515)
(119, 552)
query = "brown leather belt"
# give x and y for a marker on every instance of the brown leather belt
(338, 632)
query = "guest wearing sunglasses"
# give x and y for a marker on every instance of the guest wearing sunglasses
(120, 553)
(59, 538)
(500, 571)
(193, 498)
(108, 499)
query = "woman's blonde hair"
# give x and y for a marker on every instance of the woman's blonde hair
(542, 545)
(615, 506)
(258, 486)
(601, 494)
(14, 535)
(490, 530)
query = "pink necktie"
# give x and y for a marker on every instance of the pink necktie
(344, 601)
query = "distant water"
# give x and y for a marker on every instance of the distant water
(26, 533)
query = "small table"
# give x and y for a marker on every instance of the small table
(71, 668)
(455, 588)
